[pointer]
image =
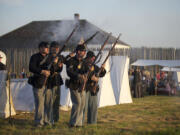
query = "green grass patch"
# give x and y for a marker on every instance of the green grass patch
(151, 115)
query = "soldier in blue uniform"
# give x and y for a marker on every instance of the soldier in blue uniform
(92, 89)
(76, 70)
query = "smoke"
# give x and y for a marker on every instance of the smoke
(60, 30)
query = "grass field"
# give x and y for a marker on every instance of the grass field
(152, 115)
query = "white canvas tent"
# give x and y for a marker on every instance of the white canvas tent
(6, 103)
(164, 63)
(176, 74)
(22, 95)
(176, 77)
(120, 71)
(114, 87)
(2, 54)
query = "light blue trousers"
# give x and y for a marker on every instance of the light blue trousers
(39, 98)
(90, 108)
(78, 104)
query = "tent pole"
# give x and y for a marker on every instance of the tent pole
(9, 80)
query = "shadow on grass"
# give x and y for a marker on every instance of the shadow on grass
(22, 122)
(16, 122)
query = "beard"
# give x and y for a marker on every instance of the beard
(44, 53)
(79, 56)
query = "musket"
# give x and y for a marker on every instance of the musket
(63, 47)
(67, 40)
(89, 72)
(111, 49)
(102, 47)
(88, 40)
(98, 73)
(85, 43)
(60, 51)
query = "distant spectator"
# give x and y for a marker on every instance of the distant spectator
(158, 76)
(161, 83)
(153, 87)
(167, 87)
(137, 83)
(173, 87)
(148, 82)
(131, 78)
(144, 87)
(13, 75)
(23, 74)
(162, 75)
(165, 75)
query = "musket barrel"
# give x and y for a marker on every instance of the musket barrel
(111, 49)
(102, 47)
(67, 40)
(88, 74)
(89, 39)
(96, 83)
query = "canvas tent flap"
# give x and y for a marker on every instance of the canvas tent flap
(106, 95)
(6, 107)
(22, 95)
(178, 80)
(176, 77)
(120, 72)
(164, 63)
(65, 99)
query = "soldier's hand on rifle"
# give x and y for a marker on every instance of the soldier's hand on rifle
(82, 77)
(94, 78)
(103, 66)
(56, 60)
(45, 72)
(72, 54)
(92, 68)
(60, 64)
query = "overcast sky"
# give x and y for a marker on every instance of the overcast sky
(150, 23)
